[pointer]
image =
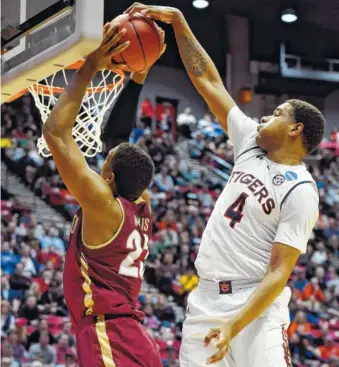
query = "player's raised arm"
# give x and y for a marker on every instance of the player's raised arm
(90, 190)
(121, 120)
(120, 123)
(197, 62)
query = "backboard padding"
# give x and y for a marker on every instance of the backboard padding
(56, 46)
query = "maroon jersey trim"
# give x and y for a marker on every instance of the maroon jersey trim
(139, 201)
(86, 286)
(116, 234)
(106, 351)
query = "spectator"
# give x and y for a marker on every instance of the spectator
(186, 122)
(147, 112)
(67, 330)
(189, 174)
(52, 301)
(329, 349)
(30, 310)
(299, 325)
(163, 311)
(51, 254)
(163, 180)
(8, 258)
(204, 122)
(320, 255)
(62, 349)
(334, 135)
(188, 281)
(165, 272)
(17, 280)
(150, 321)
(7, 358)
(19, 351)
(6, 292)
(53, 239)
(42, 351)
(301, 280)
(42, 328)
(156, 151)
(7, 318)
(27, 262)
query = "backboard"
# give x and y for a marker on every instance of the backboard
(39, 37)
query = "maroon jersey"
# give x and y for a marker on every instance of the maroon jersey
(106, 279)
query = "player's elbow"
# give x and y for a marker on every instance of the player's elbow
(49, 130)
(278, 277)
(52, 131)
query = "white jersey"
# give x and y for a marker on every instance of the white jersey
(262, 203)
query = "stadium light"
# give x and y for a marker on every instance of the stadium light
(289, 16)
(200, 4)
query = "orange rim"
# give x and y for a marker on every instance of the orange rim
(50, 90)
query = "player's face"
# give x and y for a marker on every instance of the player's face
(273, 131)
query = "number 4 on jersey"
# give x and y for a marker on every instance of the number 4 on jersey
(234, 211)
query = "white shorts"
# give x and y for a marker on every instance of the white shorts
(263, 343)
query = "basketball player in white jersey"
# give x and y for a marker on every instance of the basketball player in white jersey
(238, 315)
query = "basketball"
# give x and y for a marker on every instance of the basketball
(145, 46)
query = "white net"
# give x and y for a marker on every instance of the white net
(100, 95)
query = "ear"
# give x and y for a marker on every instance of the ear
(296, 129)
(110, 178)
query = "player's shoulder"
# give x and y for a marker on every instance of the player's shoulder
(299, 187)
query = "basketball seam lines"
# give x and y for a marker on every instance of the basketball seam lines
(156, 32)
(142, 49)
(124, 61)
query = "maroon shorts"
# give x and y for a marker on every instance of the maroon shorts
(118, 342)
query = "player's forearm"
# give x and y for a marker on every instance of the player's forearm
(121, 120)
(197, 62)
(63, 116)
(270, 287)
(139, 78)
(202, 71)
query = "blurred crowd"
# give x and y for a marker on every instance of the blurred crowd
(35, 328)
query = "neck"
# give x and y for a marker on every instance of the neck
(289, 158)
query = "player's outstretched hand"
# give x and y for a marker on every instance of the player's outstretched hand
(165, 14)
(110, 47)
(224, 336)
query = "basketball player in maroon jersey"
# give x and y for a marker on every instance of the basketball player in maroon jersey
(109, 236)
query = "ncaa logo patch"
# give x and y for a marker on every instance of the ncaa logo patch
(278, 180)
(291, 176)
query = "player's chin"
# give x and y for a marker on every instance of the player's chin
(260, 140)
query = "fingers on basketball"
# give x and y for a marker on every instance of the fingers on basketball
(146, 43)
(109, 34)
(135, 7)
(106, 29)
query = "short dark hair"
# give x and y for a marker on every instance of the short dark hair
(133, 169)
(313, 120)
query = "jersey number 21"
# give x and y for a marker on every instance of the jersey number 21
(138, 243)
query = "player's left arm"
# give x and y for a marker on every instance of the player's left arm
(120, 122)
(298, 216)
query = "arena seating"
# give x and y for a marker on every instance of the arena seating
(32, 303)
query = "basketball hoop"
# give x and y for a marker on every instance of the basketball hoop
(99, 97)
